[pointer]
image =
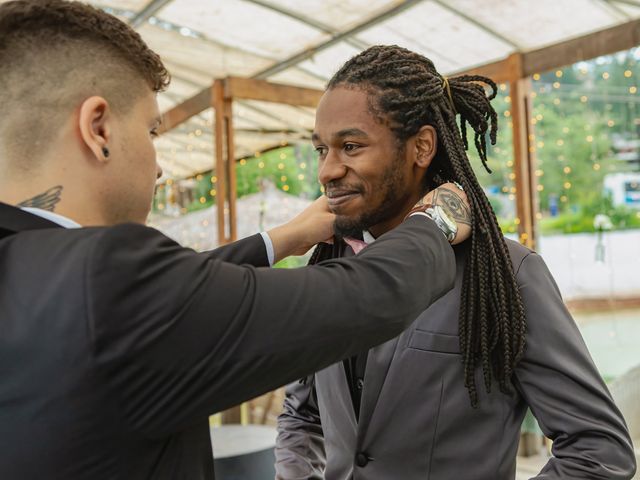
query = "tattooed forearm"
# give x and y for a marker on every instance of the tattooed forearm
(46, 201)
(453, 205)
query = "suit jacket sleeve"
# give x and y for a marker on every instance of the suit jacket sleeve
(300, 451)
(179, 335)
(566, 393)
(250, 251)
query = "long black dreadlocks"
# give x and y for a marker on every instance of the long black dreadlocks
(408, 93)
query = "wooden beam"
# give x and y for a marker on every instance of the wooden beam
(496, 71)
(230, 170)
(586, 47)
(605, 42)
(523, 152)
(221, 185)
(187, 109)
(254, 89)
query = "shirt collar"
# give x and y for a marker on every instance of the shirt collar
(367, 237)
(52, 217)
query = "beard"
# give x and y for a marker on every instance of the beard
(393, 186)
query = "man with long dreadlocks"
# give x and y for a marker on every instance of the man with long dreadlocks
(444, 400)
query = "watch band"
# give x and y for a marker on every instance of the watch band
(430, 211)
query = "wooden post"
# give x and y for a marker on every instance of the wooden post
(225, 167)
(230, 162)
(217, 102)
(225, 164)
(523, 152)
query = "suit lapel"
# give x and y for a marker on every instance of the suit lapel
(336, 391)
(378, 364)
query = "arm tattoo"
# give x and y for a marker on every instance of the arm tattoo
(46, 201)
(453, 205)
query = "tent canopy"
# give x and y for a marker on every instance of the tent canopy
(303, 42)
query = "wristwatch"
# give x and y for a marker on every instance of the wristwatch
(443, 221)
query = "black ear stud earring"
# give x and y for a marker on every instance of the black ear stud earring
(105, 152)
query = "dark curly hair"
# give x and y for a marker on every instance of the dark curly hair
(407, 93)
(53, 53)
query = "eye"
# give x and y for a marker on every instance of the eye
(350, 147)
(321, 151)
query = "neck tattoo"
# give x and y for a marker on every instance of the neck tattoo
(45, 201)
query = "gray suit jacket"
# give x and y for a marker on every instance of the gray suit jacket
(416, 421)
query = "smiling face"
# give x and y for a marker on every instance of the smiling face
(368, 177)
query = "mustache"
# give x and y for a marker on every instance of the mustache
(343, 187)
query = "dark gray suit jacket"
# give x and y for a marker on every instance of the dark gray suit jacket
(416, 421)
(116, 343)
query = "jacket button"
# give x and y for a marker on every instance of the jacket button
(362, 459)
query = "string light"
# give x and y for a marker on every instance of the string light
(285, 188)
(596, 166)
(584, 99)
(567, 170)
(556, 84)
(560, 142)
(303, 165)
(633, 89)
(261, 165)
(540, 188)
(628, 73)
(281, 166)
(283, 178)
(536, 76)
(283, 156)
(507, 113)
(567, 185)
(605, 75)
(611, 123)
(589, 138)
(559, 73)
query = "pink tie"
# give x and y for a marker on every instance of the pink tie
(355, 244)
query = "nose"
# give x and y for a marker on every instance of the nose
(331, 169)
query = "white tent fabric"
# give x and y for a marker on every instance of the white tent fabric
(201, 40)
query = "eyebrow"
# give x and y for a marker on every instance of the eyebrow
(347, 132)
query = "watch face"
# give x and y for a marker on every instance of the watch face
(451, 225)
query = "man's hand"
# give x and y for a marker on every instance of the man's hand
(456, 204)
(312, 226)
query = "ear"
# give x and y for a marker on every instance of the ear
(94, 122)
(426, 145)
